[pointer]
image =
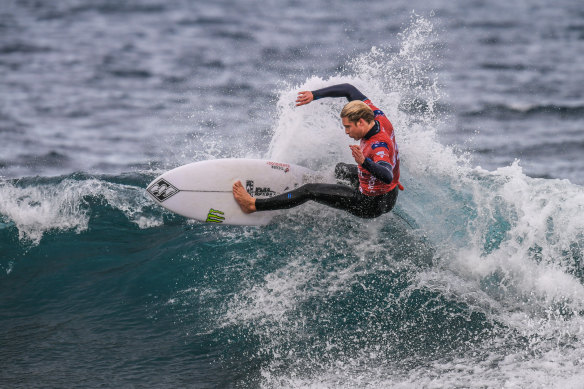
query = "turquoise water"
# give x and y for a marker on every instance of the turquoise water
(109, 289)
(475, 279)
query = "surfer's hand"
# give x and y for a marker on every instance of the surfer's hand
(357, 154)
(303, 98)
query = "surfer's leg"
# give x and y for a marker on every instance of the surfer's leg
(337, 196)
(354, 202)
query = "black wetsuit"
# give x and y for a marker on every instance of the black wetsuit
(345, 197)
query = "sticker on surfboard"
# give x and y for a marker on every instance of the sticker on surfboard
(285, 167)
(162, 190)
(215, 216)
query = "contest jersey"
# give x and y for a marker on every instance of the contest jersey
(380, 146)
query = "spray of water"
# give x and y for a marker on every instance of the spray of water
(492, 247)
(506, 246)
(35, 207)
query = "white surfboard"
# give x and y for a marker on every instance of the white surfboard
(203, 190)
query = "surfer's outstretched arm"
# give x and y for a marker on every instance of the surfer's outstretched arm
(340, 90)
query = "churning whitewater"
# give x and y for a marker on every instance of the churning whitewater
(474, 280)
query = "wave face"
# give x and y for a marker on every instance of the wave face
(475, 273)
(476, 279)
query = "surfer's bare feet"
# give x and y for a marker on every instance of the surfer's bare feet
(245, 201)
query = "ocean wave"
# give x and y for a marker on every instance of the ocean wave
(496, 260)
(37, 205)
(475, 278)
(512, 111)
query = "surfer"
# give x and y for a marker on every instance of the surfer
(375, 178)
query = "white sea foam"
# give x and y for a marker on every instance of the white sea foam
(36, 209)
(40, 207)
(507, 245)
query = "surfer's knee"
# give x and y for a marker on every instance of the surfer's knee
(341, 170)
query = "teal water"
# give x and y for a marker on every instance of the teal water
(475, 280)
(109, 289)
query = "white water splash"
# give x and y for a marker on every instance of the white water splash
(42, 207)
(509, 246)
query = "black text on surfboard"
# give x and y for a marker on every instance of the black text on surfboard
(258, 191)
(249, 187)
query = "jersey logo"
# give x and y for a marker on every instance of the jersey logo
(380, 153)
(379, 144)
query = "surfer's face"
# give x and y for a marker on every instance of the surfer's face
(355, 130)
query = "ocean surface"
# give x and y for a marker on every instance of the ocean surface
(475, 280)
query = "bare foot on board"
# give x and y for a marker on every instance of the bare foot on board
(245, 201)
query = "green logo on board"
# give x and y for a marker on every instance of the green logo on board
(215, 216)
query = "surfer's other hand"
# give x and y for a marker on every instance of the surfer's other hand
(357, 154)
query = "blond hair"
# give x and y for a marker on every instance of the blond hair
(356, 110)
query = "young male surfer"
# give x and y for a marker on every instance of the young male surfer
(377, 160)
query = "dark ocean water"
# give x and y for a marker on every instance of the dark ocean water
(475, 280)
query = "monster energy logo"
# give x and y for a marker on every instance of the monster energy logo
(215, 216)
